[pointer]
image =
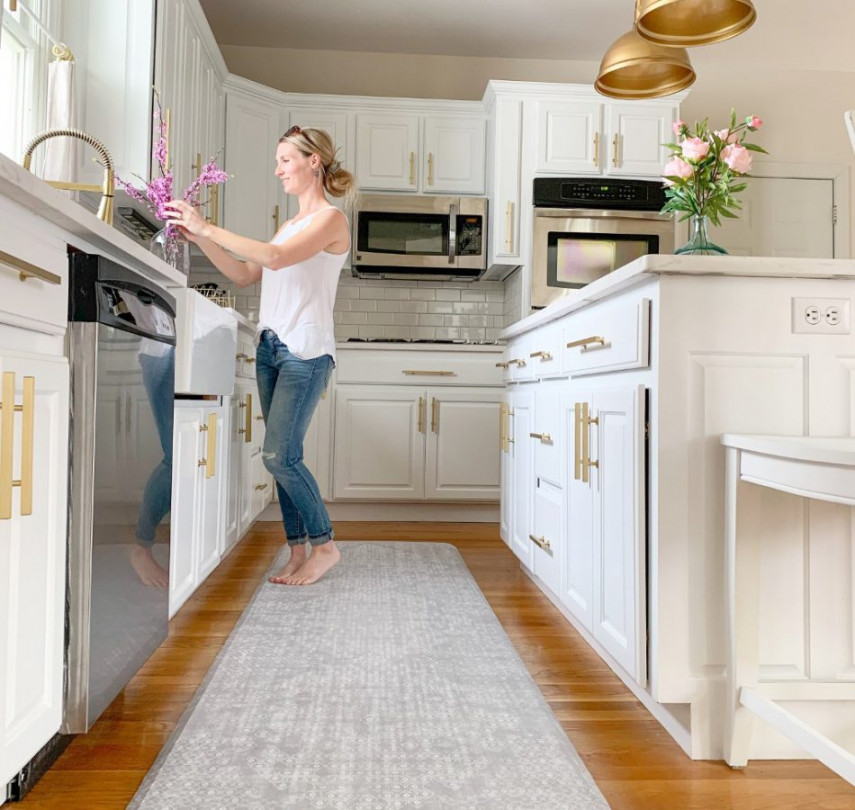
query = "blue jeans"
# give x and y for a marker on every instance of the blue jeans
(289, 389)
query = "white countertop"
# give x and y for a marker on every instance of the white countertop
(662, 264)
(244, 323)
(496, 348)
(28, 191)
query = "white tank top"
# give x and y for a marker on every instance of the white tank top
(297, 301)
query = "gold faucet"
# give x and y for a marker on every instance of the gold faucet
(107, 188)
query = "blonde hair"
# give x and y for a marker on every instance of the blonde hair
(338, 182)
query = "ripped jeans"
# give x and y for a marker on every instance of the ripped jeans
(289, 389)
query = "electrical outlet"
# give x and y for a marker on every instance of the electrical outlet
(821, 316)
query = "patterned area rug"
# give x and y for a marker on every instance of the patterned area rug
(389, 684)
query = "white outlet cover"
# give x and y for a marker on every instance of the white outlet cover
(805, 325)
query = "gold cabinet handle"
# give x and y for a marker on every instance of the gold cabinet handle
(419, 373)
(412, 168)
(430, 168)
(434, 415)
(259, 418)
(27, 270)
(198, 164)
(27, 432)
(544, 438)
(421, 415)
(261, 487)
(509, 227)
(241, 356)
(520, 363)
(544, 355)
(502, 365)
(540, 541)
(211, 427)
(250, 360)
(215, 205)
(248, 427)
(203, 462)
(597, 150)
(275, 216)
(584, 424)
(577, 441)
(585, 343)
(615, 145)
(7, 447)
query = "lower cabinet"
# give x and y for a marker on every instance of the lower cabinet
(33, 508)
(199, 502)
(521, 474)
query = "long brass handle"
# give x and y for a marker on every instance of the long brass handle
(585, 425)
(502, 365)
(543, 355)
(248, 429)
(421, 423)
(509, 227)
(597, 150)
(577, 441)
(585, 342)
(434, 415)
(211, 467)
(544, 438)
(275, 216)
(27, 270)
(520, 363)
(215, 205)
(540, 541)
(615, 144)
(430, 168)
(418, 373)
(198, 164)
(412, 168)
(27, 431)
(261, 487)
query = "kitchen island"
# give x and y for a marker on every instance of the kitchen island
(613, 478)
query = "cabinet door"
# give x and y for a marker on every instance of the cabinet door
(454, 155)
(636, 134)
(379, 442)
(211, 506)
(619, 615)
(505, 197)
(245, 433)
(387, 152)
(251, 193)
(522, 471)
(185, 130)
(230, 535)
(462, 454)
(569, 137)
(546, 535)
(507, 479)
(32, 562)
(262, 484)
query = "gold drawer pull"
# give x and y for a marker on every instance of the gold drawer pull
(615, 144)
(275, 217)
(202, 462)
(261, 487)
(211, 467)
(259, 418)
(540, 541)
(7, 438)
(596, 150)
(503, 365)
(248, 427)
(412, 168)
(430, 169)
(584, 343)
(542, 355)
(416, 373)
(519, 363)
(509, 228)
(545, 438)
(250, 359)
(434, 415)
(27, 270)
(241, 356)
(421, 415)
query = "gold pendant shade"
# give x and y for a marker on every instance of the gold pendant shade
(634, 68)
(688, 23)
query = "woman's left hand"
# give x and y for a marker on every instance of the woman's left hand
(186, 217)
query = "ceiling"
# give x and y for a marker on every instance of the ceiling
(788, 33)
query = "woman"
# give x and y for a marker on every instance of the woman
(299, 271)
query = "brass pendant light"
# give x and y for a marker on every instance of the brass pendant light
(688, 23)
(634, 68)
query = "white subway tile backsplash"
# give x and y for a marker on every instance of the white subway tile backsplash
(447, 295)
(346, 292)
(360, 305)
(354, 317)
(370, 331)
(431, 320)
(473, 295)
(444, 307)
(423, 332)
(420, 294)
(396, 332)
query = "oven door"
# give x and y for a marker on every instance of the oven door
(573, 247)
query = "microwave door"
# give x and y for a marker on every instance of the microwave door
(408, 239)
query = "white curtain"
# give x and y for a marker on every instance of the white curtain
(60, 153)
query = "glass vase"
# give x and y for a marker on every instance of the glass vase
(169, 245)
(699, 243)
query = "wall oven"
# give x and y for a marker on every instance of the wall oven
(434, 238)
(585, 227)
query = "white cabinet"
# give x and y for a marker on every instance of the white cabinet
(504, 145)
(451, 160)
(34, 442)
(231, 533)
(522, 485)
(200, 466)
(637, 134)
(569, 135)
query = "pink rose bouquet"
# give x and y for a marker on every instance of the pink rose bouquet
(706, 168)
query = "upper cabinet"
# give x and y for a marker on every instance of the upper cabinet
(387, 152)
(453, 155)
(569, 135)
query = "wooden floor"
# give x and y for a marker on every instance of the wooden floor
(634, 761)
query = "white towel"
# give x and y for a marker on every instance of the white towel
(60, 153)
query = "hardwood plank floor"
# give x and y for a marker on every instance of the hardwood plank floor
(634, 761)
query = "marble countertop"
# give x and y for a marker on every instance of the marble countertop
(28, 191)
(646, 267)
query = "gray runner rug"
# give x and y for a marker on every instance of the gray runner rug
(388, 685)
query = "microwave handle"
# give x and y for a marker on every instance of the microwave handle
(452, 233)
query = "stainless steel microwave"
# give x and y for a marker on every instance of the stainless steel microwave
(435, 238)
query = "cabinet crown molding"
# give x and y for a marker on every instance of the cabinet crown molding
(556, 90)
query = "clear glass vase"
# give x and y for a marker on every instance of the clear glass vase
(699, 243)
(169, 245)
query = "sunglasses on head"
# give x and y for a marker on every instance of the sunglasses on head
(295, 130)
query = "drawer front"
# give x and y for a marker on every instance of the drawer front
(245, 360)
(545, 352)
(413, 367)
(32, 246)
(610, 336)
(546, 536)
(544, 435)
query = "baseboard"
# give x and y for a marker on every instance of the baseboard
(402, 512)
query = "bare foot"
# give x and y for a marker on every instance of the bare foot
(297, 558)
(320, 561)
(148, 569)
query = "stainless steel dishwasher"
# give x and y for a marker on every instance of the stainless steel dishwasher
(122, 350)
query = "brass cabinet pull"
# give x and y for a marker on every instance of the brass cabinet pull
(509, 228)
(27, 431)
(417, 373)
(27, 270)
(250, 359)
(275, 216)
(584, 343)
(241, 404)
(520, 363)
(434, 415)
(542, 355)
(198, 164)
(203, 428)
(430, 168)
(7, 446)
(412, 168)
(421, 415)
(241, 356)
(259, 418)
(584, 424)
(203, 462)
(248, 428)
(597, 150)
(577, 441)
(502, 365)
(540, 541)
(261, 487)
(215, 205)
(545, 438)
(615, 144)
(211, 466)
